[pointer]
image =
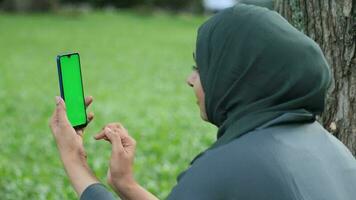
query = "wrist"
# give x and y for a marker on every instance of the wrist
(130, 189)
(76, 156)
(78, 171)
(126, 190)
(124, 184)
(74, 160)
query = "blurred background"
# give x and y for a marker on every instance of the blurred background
(196, 6)
(135, 56)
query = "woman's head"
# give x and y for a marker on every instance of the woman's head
(193, 81)
(252, 61)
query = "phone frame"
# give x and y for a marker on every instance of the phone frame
(61, 84)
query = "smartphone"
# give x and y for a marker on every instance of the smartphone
(71, 88)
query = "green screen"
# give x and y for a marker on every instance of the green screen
(73, 89)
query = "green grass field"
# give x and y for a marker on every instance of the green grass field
(135, 66)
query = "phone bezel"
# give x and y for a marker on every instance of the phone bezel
(61, 84)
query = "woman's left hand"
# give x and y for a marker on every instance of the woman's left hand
(69, 141)
(70, 145)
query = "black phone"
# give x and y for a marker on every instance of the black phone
(71, 88)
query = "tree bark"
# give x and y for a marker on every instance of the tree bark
(332, 24)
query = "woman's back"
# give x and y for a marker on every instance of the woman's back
(300, 161)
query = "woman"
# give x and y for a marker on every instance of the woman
(262, 83)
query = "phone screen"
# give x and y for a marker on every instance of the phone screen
(71, 86)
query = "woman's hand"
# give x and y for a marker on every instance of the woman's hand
(69, 141)
(120, 173)
(70, 146)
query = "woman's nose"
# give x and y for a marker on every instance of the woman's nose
(189, 81)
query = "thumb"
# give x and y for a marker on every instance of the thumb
(60, 112)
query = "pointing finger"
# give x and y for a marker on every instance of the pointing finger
(100, 135)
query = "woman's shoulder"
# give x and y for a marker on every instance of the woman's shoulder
(271, 163)
(271, 150)
(226, 172)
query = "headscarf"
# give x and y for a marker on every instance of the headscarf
(254, 67)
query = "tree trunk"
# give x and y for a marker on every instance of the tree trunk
(332, 24)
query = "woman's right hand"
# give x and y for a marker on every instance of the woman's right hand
(120, 173)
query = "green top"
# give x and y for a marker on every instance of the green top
(264, 83)
(299, 161)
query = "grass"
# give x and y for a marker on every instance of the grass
(135, 67)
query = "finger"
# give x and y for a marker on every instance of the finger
(60, 112)
(118, 127)
(126, 140)
(103, 138)
(115, 125)
(97, 137)
(90, 117)
(129, 143)
(115, 140)
(100, 135)
(88, 101)
(80, 132)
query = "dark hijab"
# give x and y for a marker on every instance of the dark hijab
(254, 67)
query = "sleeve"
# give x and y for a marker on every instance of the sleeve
(97, 191)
